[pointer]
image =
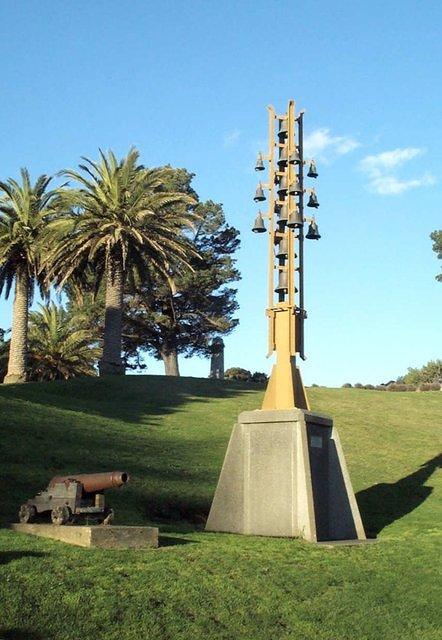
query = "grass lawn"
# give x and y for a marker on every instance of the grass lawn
(171, 436)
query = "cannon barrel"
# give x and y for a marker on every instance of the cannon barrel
(94, 482)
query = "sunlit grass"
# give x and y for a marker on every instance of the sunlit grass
(171, 436)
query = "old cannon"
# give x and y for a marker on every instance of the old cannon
(74, 497)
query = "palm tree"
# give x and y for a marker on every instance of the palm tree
(25, 210)
(61, 345)
(123, 221)
(4, 354)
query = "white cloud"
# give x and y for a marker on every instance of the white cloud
(321, 145)
(390, 159)
(231, 138)
(390, 185)
(382, 168)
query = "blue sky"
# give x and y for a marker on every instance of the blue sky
(188, 84)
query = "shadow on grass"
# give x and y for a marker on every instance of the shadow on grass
(169, 541)
(128, 398)
(173, 475)
(174, 508)
(21, 634)
(10, 556)
(382, 504)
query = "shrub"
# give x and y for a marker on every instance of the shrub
(258, 376)
(397, 386)
(381, 387)
(429, 386)
(401, 387)
(369, 386)
(314, 385)
(237, 373)
(358, 385)
(347, 385)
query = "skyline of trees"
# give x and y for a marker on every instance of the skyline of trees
(121, 232)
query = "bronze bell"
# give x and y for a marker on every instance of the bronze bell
(283, 129)
(313, 201)
(282, 282)
(313, 231)
(312, 171)
(259, 164)
(282, 160)
(283, 214)
(295, 220)
(282, 189)
(259, 226)
(282, 248)
(295, 188)
(294, 157)
(259, 194)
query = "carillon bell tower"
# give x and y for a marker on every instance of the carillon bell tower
(284, 473)
(285, 214)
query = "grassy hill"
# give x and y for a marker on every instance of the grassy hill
(171, 436)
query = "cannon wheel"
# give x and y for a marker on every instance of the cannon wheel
(108, 518)
(26, 513)
(61, 515)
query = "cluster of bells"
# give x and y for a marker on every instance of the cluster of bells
(293, 220)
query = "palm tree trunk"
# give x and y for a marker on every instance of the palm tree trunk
(110, 363)
(19, 334)
(170, 359)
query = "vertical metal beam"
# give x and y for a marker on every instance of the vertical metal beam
(271, 200)
(290, 200)
(285, 389)
(301, 234)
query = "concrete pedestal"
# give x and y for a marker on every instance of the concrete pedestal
(104, 537)
(285, 475)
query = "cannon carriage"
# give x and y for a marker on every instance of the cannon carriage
(73, 498)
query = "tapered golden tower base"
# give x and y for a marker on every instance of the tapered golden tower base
(284, 388)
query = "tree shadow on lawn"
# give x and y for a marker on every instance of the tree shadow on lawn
(384, 503)
(131, 399)
(172, 477)
(10, 556)
(22, 634)
(164, 470)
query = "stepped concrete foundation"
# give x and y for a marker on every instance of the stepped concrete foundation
(104, 537)
(284, 474)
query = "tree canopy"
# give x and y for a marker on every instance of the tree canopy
(181, 314)
(436, 237)
(125, 224)
(62, 345)
(431, 372)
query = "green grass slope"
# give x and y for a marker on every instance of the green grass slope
(171, 436)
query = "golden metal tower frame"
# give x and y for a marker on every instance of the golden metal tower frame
(285, 311)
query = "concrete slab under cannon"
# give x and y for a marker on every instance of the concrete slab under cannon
(98, 536)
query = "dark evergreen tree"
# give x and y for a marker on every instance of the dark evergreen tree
(181, 314)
